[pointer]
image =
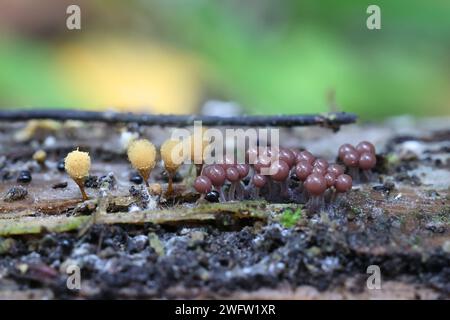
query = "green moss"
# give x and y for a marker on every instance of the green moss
(356, 210)
(203, 212)
(290, 218)
(392, 159)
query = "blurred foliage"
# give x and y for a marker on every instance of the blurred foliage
(269, 56)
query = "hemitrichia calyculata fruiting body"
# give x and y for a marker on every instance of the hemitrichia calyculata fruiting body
(142, 155)
(77, 165)
(172, 156)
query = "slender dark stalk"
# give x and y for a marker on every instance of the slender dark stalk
(330, 120)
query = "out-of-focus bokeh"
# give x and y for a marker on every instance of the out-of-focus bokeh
(171, 56)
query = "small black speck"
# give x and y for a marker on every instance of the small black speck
(60, 185)
(387, 187)
(136, 178)
(438, 162)
(24, 176)
(61, 167)
(212, 196)
(66, 245)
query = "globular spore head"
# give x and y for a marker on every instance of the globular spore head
(40, 156)
(335, 169)
(367, 160)
(142, 154)
(216, 174)
(343, 183)
(344, 149)
(295, 152)
(232, 174)
(322, 163)
(330, 178)
(205, 169)
(319, 170)
(351, 159)
(259, 180)
(315, 184)
(171, 154)
(243, 170)
(202, 184)
(264, 161)
(287, 156)
(279, 170)
(302, 170)
(77, 164)
(305, 156)
(365, 146)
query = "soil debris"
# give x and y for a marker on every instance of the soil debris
(15, 194)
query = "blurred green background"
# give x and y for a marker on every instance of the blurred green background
(171, 56)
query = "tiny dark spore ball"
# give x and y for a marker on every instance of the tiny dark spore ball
(212, 196)
(136, 178)
(61, 166)
(24, 176)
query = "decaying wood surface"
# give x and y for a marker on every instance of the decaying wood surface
(181, 248)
